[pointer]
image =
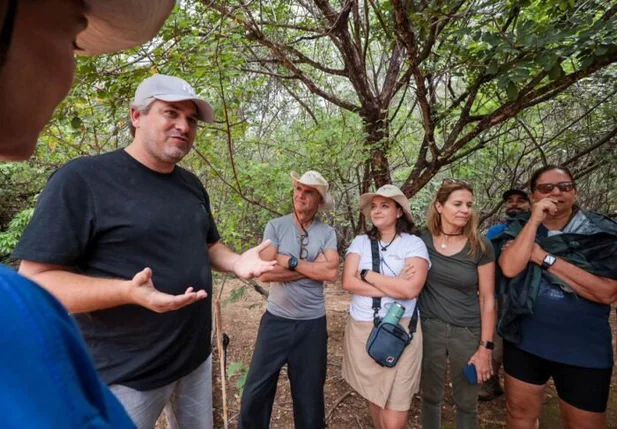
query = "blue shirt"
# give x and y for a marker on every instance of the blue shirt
(567, 328)
(47, 378)
(494, 231)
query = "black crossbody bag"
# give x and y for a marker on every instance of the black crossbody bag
(387, 342)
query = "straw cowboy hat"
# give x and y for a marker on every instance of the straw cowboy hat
(114, 25)
(315, 180)
(387, 191)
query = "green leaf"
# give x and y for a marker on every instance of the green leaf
(512, 91)
(241, 381)
(76, 123)
(235, 295)
(556, 72)
(234, 368)
(600, 51)
(492, 68)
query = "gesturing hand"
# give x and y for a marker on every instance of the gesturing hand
(141, 291)
(250, 265)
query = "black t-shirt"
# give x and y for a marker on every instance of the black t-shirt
(110, 216)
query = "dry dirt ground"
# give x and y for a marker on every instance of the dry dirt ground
(345, 409)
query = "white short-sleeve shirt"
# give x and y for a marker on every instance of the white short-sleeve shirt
(392, 261)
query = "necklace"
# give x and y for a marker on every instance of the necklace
(450, 235)
(385, 247)
(444, 245)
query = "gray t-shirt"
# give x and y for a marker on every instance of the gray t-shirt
(451, 290)
(301, 299)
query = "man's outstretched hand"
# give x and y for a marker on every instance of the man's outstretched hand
(141, 291)
(249, 264)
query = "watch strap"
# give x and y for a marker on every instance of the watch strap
(487, 344)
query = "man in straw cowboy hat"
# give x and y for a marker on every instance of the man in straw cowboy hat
(127, 241)
(293, 329)
(47, 378)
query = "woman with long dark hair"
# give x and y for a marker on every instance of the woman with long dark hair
(561, 272)
(457, 305)
(403, 264)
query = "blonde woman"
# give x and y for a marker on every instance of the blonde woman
(457, 305)
(403, 262)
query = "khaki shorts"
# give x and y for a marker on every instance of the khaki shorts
(390, 388)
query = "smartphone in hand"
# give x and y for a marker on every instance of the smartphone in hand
(470, 373)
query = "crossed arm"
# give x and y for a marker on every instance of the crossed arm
(323, 268)
(517, 254)
(407, 285)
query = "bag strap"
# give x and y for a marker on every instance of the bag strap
(413, 323)
(376, 300)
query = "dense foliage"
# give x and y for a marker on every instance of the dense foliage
(365, 91)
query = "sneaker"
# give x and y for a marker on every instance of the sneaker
(490, 390)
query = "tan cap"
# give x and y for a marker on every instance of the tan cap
(315, 180)
(386, 191)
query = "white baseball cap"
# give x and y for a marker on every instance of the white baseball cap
(170, 88)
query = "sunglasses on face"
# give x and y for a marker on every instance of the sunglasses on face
(546, 188)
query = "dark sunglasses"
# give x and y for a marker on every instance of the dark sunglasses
(546, 188)
(6, 34)
(304, 241)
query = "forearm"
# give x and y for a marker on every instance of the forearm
(325, 271)
(515, 257)
(281, 275)
(82, 294)
(222, 258)
(355, 284)
(488, 317)
(587, 285)
(396, 287)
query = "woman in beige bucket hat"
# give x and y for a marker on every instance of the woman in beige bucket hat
(389, 391)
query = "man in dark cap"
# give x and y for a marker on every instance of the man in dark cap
(516, 202)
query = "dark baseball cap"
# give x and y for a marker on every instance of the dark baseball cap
(511, 192)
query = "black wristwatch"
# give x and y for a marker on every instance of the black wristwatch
(548, 261)
(487, 344)
(293, 263)
(363, 274)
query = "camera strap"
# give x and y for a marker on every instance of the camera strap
(413, 323)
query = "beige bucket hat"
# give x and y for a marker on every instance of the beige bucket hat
(387, 191)
(315, 180)
(115, 25)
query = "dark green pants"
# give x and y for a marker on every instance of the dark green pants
(445, 343)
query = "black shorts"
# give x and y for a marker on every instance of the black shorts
(583, 388)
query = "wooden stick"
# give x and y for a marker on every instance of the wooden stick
(221, 352)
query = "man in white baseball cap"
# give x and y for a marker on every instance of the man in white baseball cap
(293, 329)
(48, 378)
(133, 235)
